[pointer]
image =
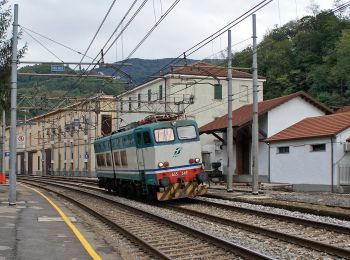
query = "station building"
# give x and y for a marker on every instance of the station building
(198, 91)
(274, 115)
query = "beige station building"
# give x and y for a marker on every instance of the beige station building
(61, 142)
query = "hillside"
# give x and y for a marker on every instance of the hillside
(311, 54)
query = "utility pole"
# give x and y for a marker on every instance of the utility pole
(43, 155)
(71, 149)
(25, 144)
(255, 127)
(89, 142)
(52, 142)
(65, 146)
(2, 144)
(85, 160)
(77, 125)
(229, 118)
(13, 138)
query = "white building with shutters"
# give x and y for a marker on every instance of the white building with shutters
(198, 90)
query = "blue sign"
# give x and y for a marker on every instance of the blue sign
(7, 154)
(86, 156)
(57, 68)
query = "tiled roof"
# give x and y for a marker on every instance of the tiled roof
(206, 69)
(243, 114)
(320, 126)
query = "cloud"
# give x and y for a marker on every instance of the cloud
(75, 22)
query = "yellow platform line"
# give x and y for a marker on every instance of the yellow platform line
(69, 223)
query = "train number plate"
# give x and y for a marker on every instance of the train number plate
(178, 173)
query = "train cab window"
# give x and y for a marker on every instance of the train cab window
(164, 135)
(116, 159)
(108, 159)
(123, 158)
(146, 138)
(186, 132)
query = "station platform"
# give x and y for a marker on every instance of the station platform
(34, 229)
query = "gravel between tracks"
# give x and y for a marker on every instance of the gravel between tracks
(296, 214)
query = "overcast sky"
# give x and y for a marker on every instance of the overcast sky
(74, 22)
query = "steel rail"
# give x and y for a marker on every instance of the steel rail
(305, 222)
(222, 243)
(319, 246)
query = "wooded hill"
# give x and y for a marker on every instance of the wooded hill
(311, 54)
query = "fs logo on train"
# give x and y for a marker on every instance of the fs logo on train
(177, 151)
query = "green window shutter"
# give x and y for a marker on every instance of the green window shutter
(160, 92)
(217, 91)
(139, 100)
(149, 96)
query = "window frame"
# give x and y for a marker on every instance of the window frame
(123, 158)
(149, 96)
(216, 91)
(280, 148)
(169, 141)
(312, 147)
(186, 139)
(139, 100)
(243, 94)
(160, 90)
(116, 158)
(108, 160)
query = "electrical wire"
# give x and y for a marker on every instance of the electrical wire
(98, 30)
(52, 40)
(42, 45)
(213, 36)
(81, 79)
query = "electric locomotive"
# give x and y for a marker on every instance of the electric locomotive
(158, 157)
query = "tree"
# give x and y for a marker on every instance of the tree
(5, 54)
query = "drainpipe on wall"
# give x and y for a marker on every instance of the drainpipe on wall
(332, 170)
(269, 164)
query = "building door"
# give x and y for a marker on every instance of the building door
(30, 163)
(246, 156)
(206, 161)
(21, 163)
(48, 161)
(106, 124)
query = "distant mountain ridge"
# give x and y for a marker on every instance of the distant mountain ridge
(140, 70)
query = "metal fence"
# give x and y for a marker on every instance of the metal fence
(344, 174)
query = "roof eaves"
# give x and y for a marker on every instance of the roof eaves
(297, 138)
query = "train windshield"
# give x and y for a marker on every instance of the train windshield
(186, 132)
(164, 135)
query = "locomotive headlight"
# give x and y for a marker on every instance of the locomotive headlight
(160, 165)
(166, 164)
(197, 160)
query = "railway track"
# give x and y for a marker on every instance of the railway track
(330, 238)
(264, 223)
(159, 237)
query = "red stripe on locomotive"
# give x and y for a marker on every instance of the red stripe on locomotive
(187, 175)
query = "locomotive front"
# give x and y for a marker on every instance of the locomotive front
(176, 156)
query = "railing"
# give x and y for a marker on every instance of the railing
(344, 174)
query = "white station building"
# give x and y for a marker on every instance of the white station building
(313, 154)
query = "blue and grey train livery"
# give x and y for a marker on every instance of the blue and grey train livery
(161, 160)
